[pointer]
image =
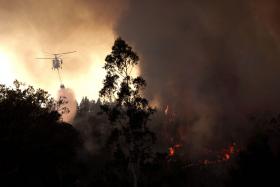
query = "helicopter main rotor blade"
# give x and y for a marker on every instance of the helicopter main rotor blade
(44, 58)
(65, 53)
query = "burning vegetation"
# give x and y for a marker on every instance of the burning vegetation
(121, 140)
(173, 149)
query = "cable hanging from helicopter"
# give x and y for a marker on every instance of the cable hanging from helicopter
(57, 64)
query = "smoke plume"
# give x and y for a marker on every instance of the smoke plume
(211, 61)
(68, 107)
(33, 28)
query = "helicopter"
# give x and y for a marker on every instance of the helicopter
(57, 63)
(56, 60)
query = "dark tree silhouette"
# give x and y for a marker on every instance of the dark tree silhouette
(259, 162)
(127, 109)
(84, 106)
(36, 148)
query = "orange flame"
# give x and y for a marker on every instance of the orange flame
(173, 148)
(171, 151)
(229, 152)
(166, 110)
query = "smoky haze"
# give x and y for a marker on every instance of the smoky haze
(216, 61)
(32, 28)
(212, 62)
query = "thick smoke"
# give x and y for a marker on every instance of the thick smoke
(211, 61)
(33, 28)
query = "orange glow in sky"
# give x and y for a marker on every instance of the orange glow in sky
(6, 69)
(33, 29)
(85, 82)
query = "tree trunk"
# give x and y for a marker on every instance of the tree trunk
(134, 175)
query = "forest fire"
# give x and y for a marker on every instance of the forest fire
(207, 155)
(230, 151)
(172, 149)
(211, 158)
(196, 105)
(225, 155)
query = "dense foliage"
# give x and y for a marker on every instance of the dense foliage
(36, 149)
(127, 110)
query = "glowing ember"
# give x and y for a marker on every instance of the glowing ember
(221, 156)
(171, 151)
(227, 156)
(173, 148)
(177, 146)
(206, 162)
(166, 110)
(227, 153)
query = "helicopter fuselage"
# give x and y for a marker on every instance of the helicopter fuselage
(57, 60)
(56, 63)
